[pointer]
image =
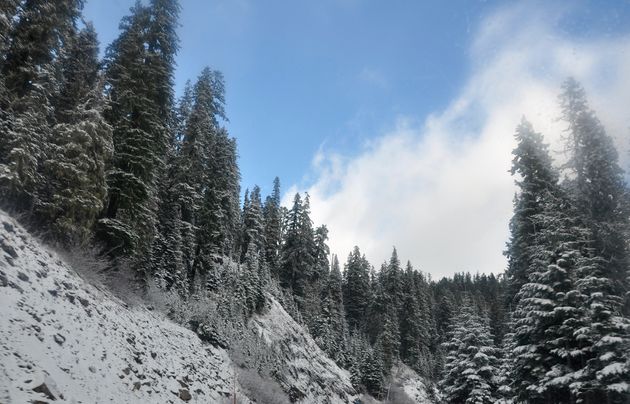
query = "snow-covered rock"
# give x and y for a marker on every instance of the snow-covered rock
(412, 384)
(307, 374)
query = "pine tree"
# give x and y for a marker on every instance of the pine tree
(332, 333)
(30, 81)
(471, 363)
(253, 224)
(139, 72)
(356, 290)
(372, 374)
(413, 326)
(81, 145)
(273, 227)
(600, 193)
(297, 256)
(208, 177)
(533, 165)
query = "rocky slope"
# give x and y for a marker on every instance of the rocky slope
(65, 340)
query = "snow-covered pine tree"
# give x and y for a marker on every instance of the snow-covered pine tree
(139, 72)
(356, 289)
(250, 282)
(297, 256)
(414, 327)
(533, 165)
(8, 13)
(332, 331)
(471, 369)
(30, 82)
(220, 209)
(253, 223)
(372, 372)
(597, 185)
(547, 315)
(273, 227)
(207, 179)
(80, 147)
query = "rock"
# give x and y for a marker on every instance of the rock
(84, 302)
(4, 281)
(7, 248)
(8, 227)
(153, 355)
(295, 394)
(92, 369)
(22, 276)
(184, 395)
(60, 339)
(48, 389)
(53, 292)
(136, 386)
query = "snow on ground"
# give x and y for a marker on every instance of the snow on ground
(411, 383)
(307, 373)
(66, 341)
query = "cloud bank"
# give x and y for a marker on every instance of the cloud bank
(439, 188)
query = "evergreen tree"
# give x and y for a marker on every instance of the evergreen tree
(140, 65)
(29, 71)
(600, 193)
(332, 332)
(356, 290)
(273, 227)
(533, 165)
(81, 145)
(470, 374)
(297, 250)
(253, 224)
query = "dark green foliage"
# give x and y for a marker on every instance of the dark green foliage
(273, 227)
(297, 256)
(356, 289)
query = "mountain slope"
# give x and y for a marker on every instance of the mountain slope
(64, 339)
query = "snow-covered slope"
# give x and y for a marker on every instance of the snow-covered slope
(411, 383)
(64, 340)
(306, 373)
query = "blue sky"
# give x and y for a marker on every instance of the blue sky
(303, 75)
(397, 116)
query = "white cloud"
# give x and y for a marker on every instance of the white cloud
(440, 191)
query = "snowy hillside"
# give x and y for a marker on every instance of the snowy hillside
(307, 373)
(64, 340)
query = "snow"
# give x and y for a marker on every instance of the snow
(612, 369)
(306, 369)
(86, 346)
(413, 385)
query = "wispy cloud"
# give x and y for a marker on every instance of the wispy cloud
(440, 191)
(373, 77)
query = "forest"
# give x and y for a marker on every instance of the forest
(98, 155)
